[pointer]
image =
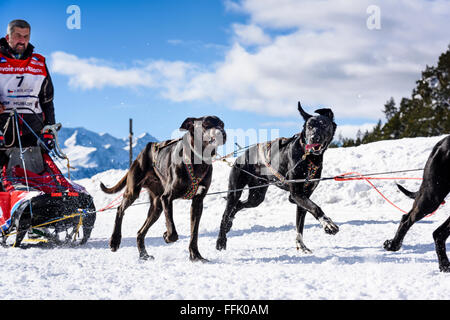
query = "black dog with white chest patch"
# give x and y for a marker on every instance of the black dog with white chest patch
(171, 170)
(298, 157)
(432, 192)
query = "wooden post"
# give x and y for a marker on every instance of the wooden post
(131, 142)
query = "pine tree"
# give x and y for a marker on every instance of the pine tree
(427, 112)
(390, 110)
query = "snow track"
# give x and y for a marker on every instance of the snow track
(261, 261)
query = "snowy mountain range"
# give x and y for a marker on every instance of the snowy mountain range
(90, 152)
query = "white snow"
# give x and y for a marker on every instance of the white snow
(261, 261)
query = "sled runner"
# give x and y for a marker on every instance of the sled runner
(38, 203)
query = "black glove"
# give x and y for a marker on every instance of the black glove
(48, 139)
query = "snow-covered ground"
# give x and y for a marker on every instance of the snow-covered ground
(261, 261)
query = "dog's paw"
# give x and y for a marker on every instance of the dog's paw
(390, 246)
(145, 256)
(170, 238)
(300, 245)
(329, 226)
(198, 258)
(221, 244)
(114, 243)
(444, 268)
(304, 249)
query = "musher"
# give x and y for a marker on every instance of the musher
(25, 86)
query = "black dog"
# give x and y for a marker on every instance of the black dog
(299, 157)
(432, 192)
(171, 170)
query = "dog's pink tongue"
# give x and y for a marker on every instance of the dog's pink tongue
(311, 146)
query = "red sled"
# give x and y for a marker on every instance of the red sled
(39, 201)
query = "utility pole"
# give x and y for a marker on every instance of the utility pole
(131, 142)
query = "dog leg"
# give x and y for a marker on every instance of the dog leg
(396, 243)
(116, 237)
(327, 224)
(422, 206)
(237, 181)
(153, 215)
(19, 238)
(300, 221)
(196, 214)
(225, 225)
(23, 224)
(255, 198)
(440, 236)
(171, 234)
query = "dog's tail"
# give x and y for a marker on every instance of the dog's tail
(408, 193)
(119, 186)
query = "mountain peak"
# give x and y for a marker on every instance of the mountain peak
(90, 152)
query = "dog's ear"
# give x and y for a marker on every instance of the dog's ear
(188, 124)
(326, 112)
(221, 124)
(304, 114)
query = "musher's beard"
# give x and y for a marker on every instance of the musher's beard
(19, 48)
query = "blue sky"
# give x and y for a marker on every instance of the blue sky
(246, 61)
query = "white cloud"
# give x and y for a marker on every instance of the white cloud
(250, 34)
(328, 56)
(325, 56)
(318, 52)
(91, 73)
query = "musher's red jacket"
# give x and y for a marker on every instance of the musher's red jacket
(28, 95)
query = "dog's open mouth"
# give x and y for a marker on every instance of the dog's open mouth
(315, 148)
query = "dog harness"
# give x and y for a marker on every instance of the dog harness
(312, 171)
(267, 159)
(195, 181)
(312, 168)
